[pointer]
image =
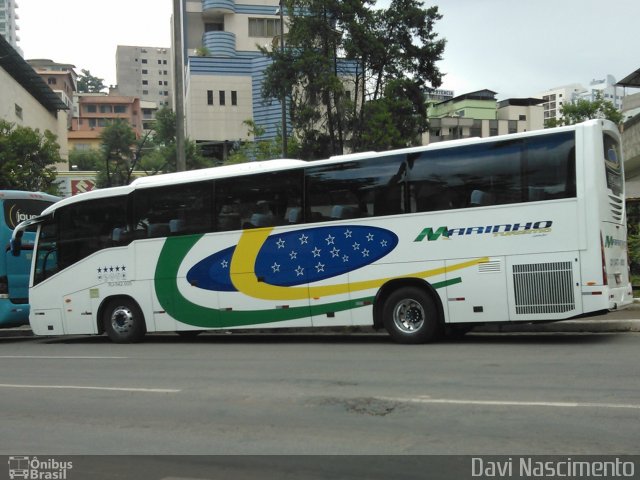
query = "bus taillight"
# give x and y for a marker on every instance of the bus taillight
(604, 261)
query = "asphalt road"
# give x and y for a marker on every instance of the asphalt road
(544, 393)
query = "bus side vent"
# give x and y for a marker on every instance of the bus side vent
(543, 288)
(616, 207)
(492, 266)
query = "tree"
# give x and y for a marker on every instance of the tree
(251, 150)
(27, 158)
(582, 110)
(389, 59)
(90, 160)
(118, 141)
(87, 83)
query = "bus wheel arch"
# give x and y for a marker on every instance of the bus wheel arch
(413, 296)
(122, 319)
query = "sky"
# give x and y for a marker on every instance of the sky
(517, 48)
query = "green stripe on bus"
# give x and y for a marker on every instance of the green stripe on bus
(177, 306)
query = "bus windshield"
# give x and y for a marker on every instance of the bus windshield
(613, 166)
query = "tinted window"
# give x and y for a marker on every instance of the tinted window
(85, 228)
(612, 163)
(498, 173)
(356, 189)
(174, 210)
(261, 200)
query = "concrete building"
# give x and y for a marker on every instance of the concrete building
(478, 114)
(631, 138)
(95, 111)
(555, 97)
(224, 71)
(25, 99)
(61, 78)
(605, 88)
(8, 23)
(146, 73)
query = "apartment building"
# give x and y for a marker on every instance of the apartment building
(61, 78)
(224, 70)
(479, 114)
(146, 73)
(95, 111)
(8, 23)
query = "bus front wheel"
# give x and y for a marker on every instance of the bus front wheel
(410, 316)
(123, 321)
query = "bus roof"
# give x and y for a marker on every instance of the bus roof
(22, 195)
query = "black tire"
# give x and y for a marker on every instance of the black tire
(123, 321)
(411, 316)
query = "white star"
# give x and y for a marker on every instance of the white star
(330, 239)
(345, 258)
(224, 264)
(303, 239)
(348, 233)
(365, 252)
(280, 243)
(275, 267)
(356, 246)
(335, 252)
(383, 243)
(370, 237)
(316, 252)
(293, 255)
(320, 267)
(299, 271)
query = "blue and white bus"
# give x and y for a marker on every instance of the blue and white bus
(16, 207)
(517, 228)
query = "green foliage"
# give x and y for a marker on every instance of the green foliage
(27, 158)
(582, 110)
(392, 57)
(117, 148)
(202, 52)
(87, 83)
(85, 160)
(251, 150)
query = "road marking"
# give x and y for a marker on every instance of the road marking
(79, 387)
(50, 357)
(511, 403)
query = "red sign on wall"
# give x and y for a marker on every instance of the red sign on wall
(81, 186)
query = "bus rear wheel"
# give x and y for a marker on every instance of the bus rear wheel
(123, 321)
(410, 316)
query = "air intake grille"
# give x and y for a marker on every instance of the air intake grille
(543, 288)
(616, 208)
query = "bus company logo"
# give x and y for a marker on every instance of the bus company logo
(16, 216)
(36, 469)
(504, 230)
(609, 242)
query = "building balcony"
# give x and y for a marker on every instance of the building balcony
(220, 44)
(218, 6)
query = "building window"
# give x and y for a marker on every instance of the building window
(144, 72)
(144, 60)
(145, 92)
(119, 109)
(234, 97)
(222, 97)
(145, 82)
(51, 80)
(209, 97)
(92, 108)
(264, 27)
(18, 111)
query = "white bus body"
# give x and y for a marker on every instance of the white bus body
(532, 252)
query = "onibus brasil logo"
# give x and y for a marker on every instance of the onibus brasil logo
(38, 469)
(503, 230)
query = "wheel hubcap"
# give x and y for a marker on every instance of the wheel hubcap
(408, 315)
(122, 319)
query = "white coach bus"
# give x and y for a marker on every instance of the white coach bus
(517, 228)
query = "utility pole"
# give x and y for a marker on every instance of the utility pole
(283, 99)
(178, 81)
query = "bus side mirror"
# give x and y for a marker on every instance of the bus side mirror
(16, 243)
